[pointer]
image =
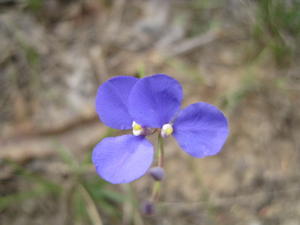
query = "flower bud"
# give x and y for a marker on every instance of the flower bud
(157, 173)
(148, 208)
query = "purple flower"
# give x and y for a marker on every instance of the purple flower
(125, 102)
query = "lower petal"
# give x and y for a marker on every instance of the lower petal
(122, 159)
(201, 129)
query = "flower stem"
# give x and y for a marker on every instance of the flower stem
(155, 191)
(160, 163)
(160, 152)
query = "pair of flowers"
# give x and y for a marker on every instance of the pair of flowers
(125, 102)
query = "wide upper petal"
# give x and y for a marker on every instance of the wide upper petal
(201, 129)
(154, 100)
(112, 102)
(122, 159)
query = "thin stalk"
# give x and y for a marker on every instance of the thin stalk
(160, 163)
(91, 206)
(155, 191)
(160, 152)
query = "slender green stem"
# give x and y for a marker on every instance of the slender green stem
(160, 152)
(160, 163)
(155, 191)
(91, 206)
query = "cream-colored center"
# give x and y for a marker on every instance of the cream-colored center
(166, 130)
(137, 129)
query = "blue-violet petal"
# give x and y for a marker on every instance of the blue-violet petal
(201, 129)
(154, 100)
(122, 159)
(112, 102)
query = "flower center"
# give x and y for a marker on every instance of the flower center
(137, 129)
(166, 130)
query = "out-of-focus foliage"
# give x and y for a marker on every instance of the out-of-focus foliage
(278, 28)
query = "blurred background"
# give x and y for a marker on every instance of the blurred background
(241, 55)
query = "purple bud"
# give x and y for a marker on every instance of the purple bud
(157, 173)
(148, 208)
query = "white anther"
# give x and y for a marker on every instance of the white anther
(137, 129)
(166, 130)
